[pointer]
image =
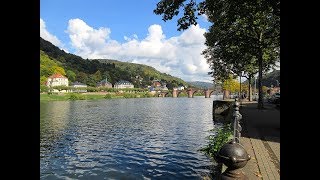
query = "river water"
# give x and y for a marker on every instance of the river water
(141, 138)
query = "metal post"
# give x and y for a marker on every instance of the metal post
(255, 86)
(236, 122)
(240, 96)
(233, 154)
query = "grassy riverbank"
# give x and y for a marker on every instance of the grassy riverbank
(89, 96)
(67, 96)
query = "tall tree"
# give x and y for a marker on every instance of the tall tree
(71, 75)
(250, 28)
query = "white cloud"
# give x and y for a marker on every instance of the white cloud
(204, 17)
(44, 33)
(179, 56)
(84, 38)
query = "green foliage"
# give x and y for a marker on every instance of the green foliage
(43, 88)
(244, 36)
(264, 89)
(141, 75)
(43, 80)
(217, 140)
(108, 96)
(231, 85)
(48, 66)
(272, 78)
(58, 70)
(147, 95)
(106, 89)
(76, 96)
(92, 89)
(129, 95)
(71, 76)
(60, 88)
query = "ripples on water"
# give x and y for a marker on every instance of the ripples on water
(147, 138)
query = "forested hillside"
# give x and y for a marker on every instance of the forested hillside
(272, 78)
(92, 71)
(200, 84)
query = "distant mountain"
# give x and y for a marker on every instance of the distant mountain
(200, 84)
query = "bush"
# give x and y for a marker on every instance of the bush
(147, 95)
(44, 88)
(129, 95)
(75, 96)
(216, 141)
(108, 96)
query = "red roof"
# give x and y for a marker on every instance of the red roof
(56, 76)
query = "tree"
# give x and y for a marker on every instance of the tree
(247, 28)
(58, 70)
(82, 77)
(71, 75)
(231, 85)
(43, 80)
(97, 76)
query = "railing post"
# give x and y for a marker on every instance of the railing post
(236, 122)
(233, 154)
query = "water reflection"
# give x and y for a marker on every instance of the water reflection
(125, 138)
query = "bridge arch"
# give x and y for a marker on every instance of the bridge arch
(163, 94)
(208, 93)
(192, 92)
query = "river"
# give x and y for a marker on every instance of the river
(141, 138)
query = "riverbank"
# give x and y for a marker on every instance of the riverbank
(67, 96)
(98, 95)
(89, 96)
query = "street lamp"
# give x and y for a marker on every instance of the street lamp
(255, 86)
(240, 94)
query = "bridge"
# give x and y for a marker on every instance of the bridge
(190, 92)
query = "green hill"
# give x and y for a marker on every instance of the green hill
(272, 78)
(91, 71)
(202, 85)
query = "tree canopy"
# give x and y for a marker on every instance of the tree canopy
(244, 35)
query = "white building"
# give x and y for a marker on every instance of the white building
(57, 80)
(181, 88)
(123, 84)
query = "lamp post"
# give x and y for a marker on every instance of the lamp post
(255, 87)
(240, 96)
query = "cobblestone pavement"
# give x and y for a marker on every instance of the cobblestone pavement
(261, 139)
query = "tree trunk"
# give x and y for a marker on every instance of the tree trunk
(226, 95)
(260, 100)
(250, 89)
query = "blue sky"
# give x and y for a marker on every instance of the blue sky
(126, 31)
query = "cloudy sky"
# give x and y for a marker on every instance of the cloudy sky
(127, 31)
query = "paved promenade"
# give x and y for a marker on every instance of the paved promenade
(261, 139)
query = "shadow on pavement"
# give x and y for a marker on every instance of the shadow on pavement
(260, 124)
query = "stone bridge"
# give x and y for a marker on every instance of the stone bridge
(207, 92)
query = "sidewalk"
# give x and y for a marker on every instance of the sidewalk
(261, 139)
